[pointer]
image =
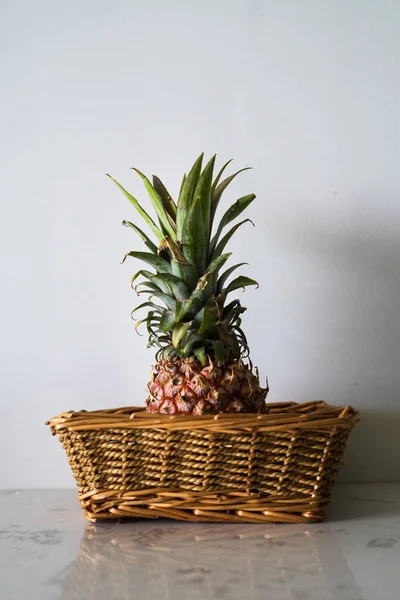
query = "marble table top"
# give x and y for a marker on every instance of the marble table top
(49, 551)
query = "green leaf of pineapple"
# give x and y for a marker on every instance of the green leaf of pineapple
(220, 351)
(168, 203)
(194, 242)
(217, 263)
(186, 196)
(235, 348)
(191, 306)
(187, 273)
(200, 354)
(160, 264)
(221, 281)
(222, 243)
(159, 280)
(240, 335)
(152, 247)
(210, 318)
(157, 232)
(167, 321)
(233, 211)
(218, 177)
(178, 287)
(151, 285)
(239, 282)
(182, 184)
(203, 192)
(178, 332)
(145, 304)
(229, 307)
(169, 302)
(188, 341)
(149, 319)
(158, 205)
(220, 190)
(176, 252)
(143, 273)
(168, 352)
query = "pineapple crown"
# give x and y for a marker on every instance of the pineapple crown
(194, 318)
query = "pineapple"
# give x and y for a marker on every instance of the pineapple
(201, 347)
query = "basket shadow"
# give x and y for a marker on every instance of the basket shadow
(354, 502)
(373, 448)
(355, 353)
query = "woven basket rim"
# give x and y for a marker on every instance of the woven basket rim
(280, 416)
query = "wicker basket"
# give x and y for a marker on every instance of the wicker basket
(277, 467)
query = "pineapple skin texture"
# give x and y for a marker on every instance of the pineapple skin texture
(184, 387)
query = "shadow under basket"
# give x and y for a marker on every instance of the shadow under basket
(275, 467)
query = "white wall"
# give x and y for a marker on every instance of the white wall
(306, 92)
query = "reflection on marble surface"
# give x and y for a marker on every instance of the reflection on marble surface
(353, 556)
(207, 561)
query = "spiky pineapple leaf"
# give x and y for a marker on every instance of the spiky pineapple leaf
(178, 332)
(200, 294)
(167, 321)
(240, 335)
(186, 196)
(189, 340)
(218, 177)
(152, 285)
(203, 190)
(149, 319)
(235, 348)
(169, 302)
(181, 309)
(239, 282)
(220, 351)
(219, 190)
(157, 205)
(143, 273)
(160, 264)
(200, 354)
(232, 317)
(222, 243)
(187, 273)
(144, 237)
(152, 322)
(209, 319)
(236, 209)
(168, 203)
(167, 352)
(159, 280)
(150, 304)
(233, 211)
(191, 306)
(221, 281)
(196, 225)
(172, 223)
(177, 286)
(182, 184)
(176, 252)
(217, 263)
(157, 232)
(193, 237)
(229, 307)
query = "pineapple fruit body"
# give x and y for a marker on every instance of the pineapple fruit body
(184, 386)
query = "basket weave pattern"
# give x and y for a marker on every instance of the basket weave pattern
(277, 467)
